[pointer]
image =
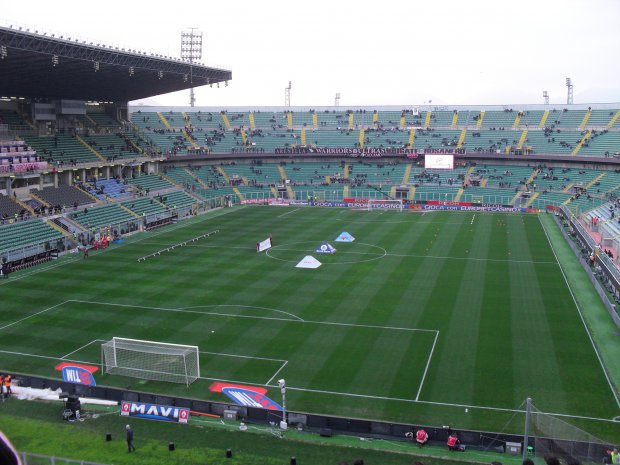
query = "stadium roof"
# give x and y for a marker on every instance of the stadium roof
(38, 66)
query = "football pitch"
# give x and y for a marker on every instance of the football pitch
(421, 317)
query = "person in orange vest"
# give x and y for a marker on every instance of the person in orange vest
(7, 384)
(453, 442)
(421, 437)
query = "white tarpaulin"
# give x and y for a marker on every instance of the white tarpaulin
(308, 262)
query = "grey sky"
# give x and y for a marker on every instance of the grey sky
(373, 53)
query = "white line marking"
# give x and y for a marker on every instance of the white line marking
(473, 218)
(21, 354)
(428, 362)
(286, 362)
(300, 320)
(444, 404)
(288, 213)
(278, 248)
(439, 257)
(354, 325)
(348, 394)
(245, 306)
(77, 350)
(177, 310)
(33, 315)
(244, 356)
(376, 254)
(339, 251)
(581, 316)
(38, 270)
(276, 373)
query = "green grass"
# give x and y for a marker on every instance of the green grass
(419, 318)
(202, 442)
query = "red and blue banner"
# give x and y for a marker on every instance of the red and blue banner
(248, 396)
(77, 373)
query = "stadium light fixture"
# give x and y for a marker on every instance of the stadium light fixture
(3, 52)
(282, 386)
(569, 96)
(191, 52)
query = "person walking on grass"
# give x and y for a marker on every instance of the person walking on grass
(130, 446)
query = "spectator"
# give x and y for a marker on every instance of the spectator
(453, 442)
(130, 446)
(614, 456)
(421, 437)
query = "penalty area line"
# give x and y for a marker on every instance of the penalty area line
(33, 315)
(428, 362)
(46, 357)
(84, 346)
(276, 373)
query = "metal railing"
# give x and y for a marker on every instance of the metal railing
(605, 272)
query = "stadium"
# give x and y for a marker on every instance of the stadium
(319, 274)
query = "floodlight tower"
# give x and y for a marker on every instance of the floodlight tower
(287, 95)
(191, 50)
(569, 97)
(337, 100)
(546, 97)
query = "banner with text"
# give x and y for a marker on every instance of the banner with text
(155, 412)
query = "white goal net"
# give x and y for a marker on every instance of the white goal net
(156, 361)
(385, 204)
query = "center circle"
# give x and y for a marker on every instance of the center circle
(290, 248)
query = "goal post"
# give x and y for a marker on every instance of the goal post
(155, 361)
(385, 204)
